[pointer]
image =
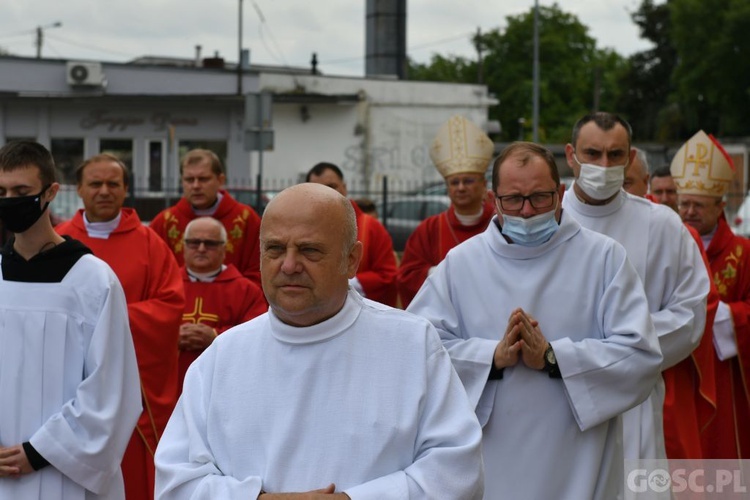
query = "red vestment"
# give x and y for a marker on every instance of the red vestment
(728, 435)
(690, 397)
(429, 244)
(153, 289)
(377, 270)
(227, 301)
(241, 222)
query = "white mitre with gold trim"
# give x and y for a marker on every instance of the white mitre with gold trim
(461, 147)
(702, 167)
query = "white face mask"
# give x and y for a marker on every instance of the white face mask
(600, 183)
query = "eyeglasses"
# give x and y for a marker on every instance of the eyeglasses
(512, 202)
(194, 244)
(466, 181)
(696, 206)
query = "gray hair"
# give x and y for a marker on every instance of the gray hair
(643, 157)
(214, 222)
(350, 227)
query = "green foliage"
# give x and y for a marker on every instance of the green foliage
(712, 77)
(444, 69)
(696, 75)
(647, 82)
(571, 70)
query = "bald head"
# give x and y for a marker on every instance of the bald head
(205, 223)
(308, 253)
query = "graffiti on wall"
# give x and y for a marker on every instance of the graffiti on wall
(388, 160)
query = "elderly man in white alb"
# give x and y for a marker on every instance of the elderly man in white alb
(328, 393)
(548, 327)
(666, 257)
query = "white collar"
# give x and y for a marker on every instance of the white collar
(210, 210)
(469, 220)
(208, 277)
(320, 332)
(101, 230)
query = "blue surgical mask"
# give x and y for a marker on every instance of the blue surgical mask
(530, 232)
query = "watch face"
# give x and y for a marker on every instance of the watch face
(549, 355)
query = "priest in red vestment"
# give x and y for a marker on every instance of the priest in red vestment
(153, 289)
(217, 296)
(202, 181)
(461, 152)
(703, 173)
(376, 275)
(690, 389)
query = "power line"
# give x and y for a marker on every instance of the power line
(279, 56)
(96, 48)
(464, 36)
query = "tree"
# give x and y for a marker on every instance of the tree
(647, 88)
(574, 75)
(712, 78)
(444, 69)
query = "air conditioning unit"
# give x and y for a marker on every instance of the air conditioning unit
(87, 74)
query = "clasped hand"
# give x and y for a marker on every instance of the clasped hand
(13, 462)
(522, 340)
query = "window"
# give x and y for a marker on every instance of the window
(155, 163)
(121, 148)
(68, 154)
(218, 147)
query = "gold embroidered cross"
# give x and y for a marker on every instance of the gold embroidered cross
(198, 316)
(700, 158)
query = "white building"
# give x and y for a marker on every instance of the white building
(150, 112)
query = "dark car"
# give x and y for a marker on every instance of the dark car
(249, 196)
(403, 214)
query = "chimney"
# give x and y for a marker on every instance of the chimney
(198, 56)
(214, 62)
(385, 38)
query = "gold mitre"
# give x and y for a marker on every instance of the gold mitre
(460, 147)
(701, 166)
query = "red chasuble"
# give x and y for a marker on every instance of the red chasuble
(243, 231)
(728, 435)
(152, 283)
(429, 244)
(227, 301)
(377, 270)
(690, 398)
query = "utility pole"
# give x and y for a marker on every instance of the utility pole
(480, 61)
(40, 36)
(535, 117)
(239, 53)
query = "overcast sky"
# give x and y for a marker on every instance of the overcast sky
(283, 32)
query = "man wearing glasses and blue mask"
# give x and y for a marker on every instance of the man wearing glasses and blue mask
(576, 350)
(666, 257)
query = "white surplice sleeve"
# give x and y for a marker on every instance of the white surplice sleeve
(472, 357)
(605, 376)
(86, 439)
(447, 459)
(678, 282)
(186, 467)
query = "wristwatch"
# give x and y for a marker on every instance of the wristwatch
(550, 363)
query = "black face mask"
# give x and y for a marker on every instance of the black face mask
(20, 213)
